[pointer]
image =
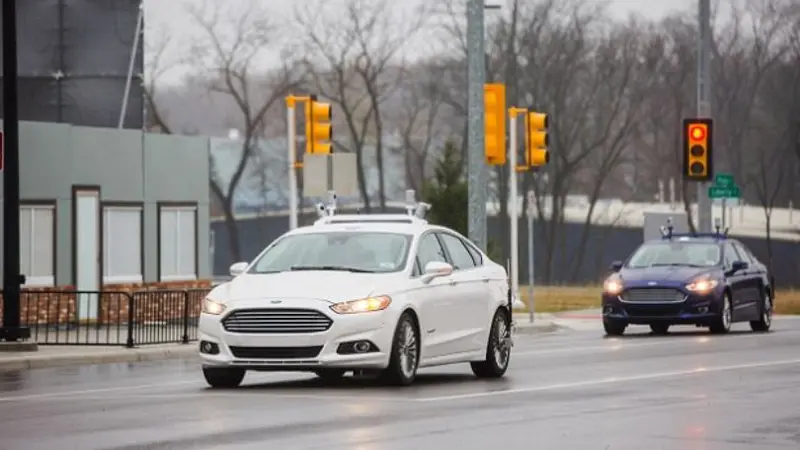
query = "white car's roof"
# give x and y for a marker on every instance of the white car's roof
(394, 223)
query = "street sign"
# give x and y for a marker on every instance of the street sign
(724, 192)
(724, 180)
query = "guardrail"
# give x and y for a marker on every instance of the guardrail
(130, 319)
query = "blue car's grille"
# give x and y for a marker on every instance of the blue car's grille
(652, 295)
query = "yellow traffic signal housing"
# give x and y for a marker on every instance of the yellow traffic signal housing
(536, 139)
(698, 156)
(319, 131)
(494, 104)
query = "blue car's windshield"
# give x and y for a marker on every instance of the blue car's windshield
(690, 254)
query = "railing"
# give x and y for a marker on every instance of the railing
(69, 317)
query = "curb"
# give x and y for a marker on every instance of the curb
(124, 355)
(528, 329)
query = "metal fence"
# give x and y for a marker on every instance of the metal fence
(69, 317)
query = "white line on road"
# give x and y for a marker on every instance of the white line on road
(616, 344)
(611, 380)
(94, 391)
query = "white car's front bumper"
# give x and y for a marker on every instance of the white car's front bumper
(299, 351)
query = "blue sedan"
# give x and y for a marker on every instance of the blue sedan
(703, 280)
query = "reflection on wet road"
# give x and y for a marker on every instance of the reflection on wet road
(570, 390)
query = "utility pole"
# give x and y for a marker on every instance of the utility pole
(704, 102)
(11, 331)
(477, 171)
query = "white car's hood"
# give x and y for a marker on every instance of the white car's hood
(328, 286)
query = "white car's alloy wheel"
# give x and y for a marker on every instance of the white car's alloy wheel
(408, 350)
(501, 348)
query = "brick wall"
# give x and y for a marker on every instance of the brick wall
(152, 303)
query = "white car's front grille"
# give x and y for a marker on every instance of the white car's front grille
(276, 320)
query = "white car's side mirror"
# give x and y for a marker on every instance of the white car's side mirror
(436, 269)
(238, 268)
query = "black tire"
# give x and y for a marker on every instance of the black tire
(399, 372)
(763, 324)
(498, 354)
(223, 377)
(614, 327)
(330, 374)
(659, 328)
(722, 323)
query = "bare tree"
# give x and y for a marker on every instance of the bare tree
(155, 48)
(422, 123)
(559, 76)
(231, 45)
(620, 82)
(744, 53)
(358, 69)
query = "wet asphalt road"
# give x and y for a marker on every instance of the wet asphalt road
(569, 390)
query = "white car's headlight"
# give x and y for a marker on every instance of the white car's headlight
(213, 307)
(702, 285)
(362, 305)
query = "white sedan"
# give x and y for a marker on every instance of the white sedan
(365, 293)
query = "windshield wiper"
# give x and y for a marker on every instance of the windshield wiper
(342, 268)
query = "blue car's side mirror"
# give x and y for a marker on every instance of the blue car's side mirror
(739, 265)
(616, 266)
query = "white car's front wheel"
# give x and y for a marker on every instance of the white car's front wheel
(223, 377)
(498, 349)
(404, 357)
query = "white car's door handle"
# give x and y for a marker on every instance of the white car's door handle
(452, 282)
(485, 280)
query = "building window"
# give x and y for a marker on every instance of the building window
(122, 244)
(37, 244)
(178, 243)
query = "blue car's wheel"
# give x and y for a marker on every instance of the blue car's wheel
(722, 323)
(765, 320)
(614, 327)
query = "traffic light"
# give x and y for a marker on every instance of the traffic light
(536, 139)
(698, 152)
(494, 104)
(319, 131)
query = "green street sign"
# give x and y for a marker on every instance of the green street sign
(723, 192)
(724, 180)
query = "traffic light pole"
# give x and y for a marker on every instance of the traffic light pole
(513, 208)
(704, 103)
(291, 140)
(11, 331)
(477, 171)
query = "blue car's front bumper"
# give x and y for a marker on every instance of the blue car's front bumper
(684, 308)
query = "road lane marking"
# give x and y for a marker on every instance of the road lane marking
(611, 380)
(94, 391)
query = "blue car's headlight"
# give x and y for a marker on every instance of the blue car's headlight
(702, 285)
(613, 285)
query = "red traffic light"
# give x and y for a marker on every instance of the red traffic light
(697, 133)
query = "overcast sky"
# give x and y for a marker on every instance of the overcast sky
(169, 16)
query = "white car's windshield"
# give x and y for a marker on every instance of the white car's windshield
(692, 254)
(352, 251)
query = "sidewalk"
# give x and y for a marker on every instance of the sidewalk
(542, 323)
(75, 355)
